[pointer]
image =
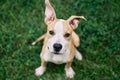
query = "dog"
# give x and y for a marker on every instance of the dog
(60, 41)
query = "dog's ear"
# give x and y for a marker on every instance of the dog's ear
(49, 13)
(75, 39)
(74, 20)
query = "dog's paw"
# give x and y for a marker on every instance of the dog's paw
(39, 71)
(33, 43)
(78, 55)
(69, 72)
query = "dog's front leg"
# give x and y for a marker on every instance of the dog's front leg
(68, 69)
(40, 70)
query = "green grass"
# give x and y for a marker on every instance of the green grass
(22, 21)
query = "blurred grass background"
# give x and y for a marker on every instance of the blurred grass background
(22, 21)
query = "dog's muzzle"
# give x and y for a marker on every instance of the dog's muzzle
(57, 47)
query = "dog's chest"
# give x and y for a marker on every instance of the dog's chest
(57, 59)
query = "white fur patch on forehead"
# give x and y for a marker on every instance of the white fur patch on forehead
(59, 26)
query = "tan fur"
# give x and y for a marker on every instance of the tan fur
(40, 38)
(69, 26)
(72, 43)
(75, 39)
(68, 65)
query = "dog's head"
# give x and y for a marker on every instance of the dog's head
(60, 33)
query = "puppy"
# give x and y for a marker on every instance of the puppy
(60, 41)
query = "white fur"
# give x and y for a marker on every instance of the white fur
(57, 59)
(63, 56)
(69, 72)
(58, 38)
(59, 27)
(33, 43)
(40, 70)
(78, 55)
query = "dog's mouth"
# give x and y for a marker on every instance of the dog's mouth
(57, 53)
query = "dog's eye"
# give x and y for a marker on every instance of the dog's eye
(67, 35)
(51, 32)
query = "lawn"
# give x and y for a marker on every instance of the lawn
(22, 21)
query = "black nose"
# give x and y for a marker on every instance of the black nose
(57, 47)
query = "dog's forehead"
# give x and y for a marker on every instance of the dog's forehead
(60, 26)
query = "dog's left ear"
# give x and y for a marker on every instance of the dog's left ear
(74, 21)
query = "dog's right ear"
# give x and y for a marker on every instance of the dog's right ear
(49, 13)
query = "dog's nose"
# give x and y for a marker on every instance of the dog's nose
(57, 47)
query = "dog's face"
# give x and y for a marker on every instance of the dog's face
(59, 36)
(59, 32)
